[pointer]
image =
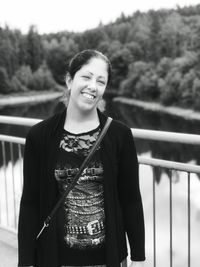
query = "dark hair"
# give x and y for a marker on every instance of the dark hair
(82, 58)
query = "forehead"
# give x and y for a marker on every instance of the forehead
(96, 66)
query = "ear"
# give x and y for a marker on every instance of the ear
(68, 81)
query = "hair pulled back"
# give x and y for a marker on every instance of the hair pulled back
(83, 58)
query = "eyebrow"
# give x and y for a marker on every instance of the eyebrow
(98, 76)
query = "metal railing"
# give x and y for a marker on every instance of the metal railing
(10, 141)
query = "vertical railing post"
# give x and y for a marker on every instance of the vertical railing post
(154, 217)
(13, 184)
(189, 227)
(5, 178)
(0, 196)
(20, 163)
(170, 216)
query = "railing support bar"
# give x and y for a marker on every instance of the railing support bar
(154, 217)
(5, 179)
(189, 226)
(170, 215)
(20, 161)
(13, 184)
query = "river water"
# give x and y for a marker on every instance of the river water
(137, 118)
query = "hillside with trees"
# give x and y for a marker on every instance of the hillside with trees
(155, 56)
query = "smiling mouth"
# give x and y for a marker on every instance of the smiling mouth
(88, 96)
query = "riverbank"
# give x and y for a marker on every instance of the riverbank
(35, 96)
(188, 114)
(29, 97)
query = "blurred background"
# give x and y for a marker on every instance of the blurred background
(154, 49)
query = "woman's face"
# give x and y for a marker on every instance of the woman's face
(88, 85)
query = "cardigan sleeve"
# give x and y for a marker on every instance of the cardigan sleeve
(29, 205)
(130, 197)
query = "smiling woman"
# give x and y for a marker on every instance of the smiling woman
(86, 81)
(90, 227)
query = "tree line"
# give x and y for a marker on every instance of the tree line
(155, 56)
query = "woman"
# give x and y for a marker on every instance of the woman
(89, 228)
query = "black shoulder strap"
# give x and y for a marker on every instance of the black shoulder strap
(73, 183)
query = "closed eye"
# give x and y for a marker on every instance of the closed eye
(102, 82)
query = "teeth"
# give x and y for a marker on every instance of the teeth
(88, 95)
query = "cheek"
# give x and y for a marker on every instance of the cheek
(76, 88)
(102, 90)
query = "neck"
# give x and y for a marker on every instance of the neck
(79, 116)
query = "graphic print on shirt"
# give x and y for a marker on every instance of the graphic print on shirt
(83, 209)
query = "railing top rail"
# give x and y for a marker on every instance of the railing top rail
(173, 165)
(192, 139)
(18, 120)
(12, 139)
(183, 138)
(186, 167)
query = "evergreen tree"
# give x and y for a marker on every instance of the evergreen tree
(4, 81)
(34, 49)
(155, 38)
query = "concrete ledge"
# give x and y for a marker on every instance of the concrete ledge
(8, 248)
(39, 97)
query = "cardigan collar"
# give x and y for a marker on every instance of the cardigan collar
(60, 120)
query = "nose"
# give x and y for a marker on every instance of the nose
(92, 85)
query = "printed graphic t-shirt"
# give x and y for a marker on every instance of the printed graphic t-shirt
(81, 218)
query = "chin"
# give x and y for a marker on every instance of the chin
(88, 108)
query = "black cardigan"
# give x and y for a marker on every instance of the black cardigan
(123, 205)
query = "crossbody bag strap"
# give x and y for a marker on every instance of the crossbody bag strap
(73, 183)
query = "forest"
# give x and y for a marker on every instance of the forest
(155, 56)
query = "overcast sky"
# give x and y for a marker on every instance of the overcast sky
(74, 15)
